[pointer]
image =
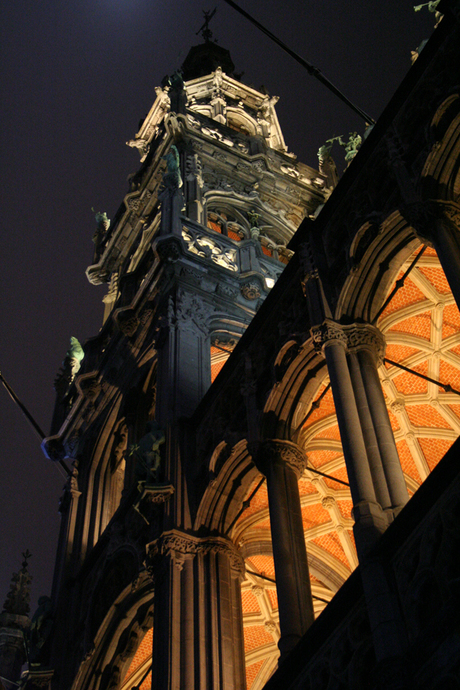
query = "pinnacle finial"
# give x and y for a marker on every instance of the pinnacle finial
(205, 31)
(18, 598)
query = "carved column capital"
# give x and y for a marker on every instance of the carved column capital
(179, 546)
(327, 333)
(354, 337)
(285, 452)
(365, 337)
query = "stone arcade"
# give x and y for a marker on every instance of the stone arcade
(209, 519)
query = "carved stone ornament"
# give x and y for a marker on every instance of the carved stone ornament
(251, 290)
(328, 502)
(354, 337)
(157, 493)
(326, 333)
(209, 248)
(178, 545)
(128, 322)
(273, 450)
(90, 387)
(450, 211)
(169, 250)
(37, 679)
(191, 312)
(365, 336)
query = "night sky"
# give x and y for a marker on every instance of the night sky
(76, 78)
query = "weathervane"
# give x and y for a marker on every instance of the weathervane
(205, 31)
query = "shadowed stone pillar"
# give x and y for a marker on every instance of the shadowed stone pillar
(437, 223)
(198, 623)
(282, 462)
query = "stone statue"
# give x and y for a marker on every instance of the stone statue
(432, 7)
(40, 628)
(253, 219)
(327, 164)
(177, 93)
(147, 452)
(70, 367)
(74, 355)
(172, 178)
(352, 146)
(102, 225)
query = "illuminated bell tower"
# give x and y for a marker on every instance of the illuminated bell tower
(195, 247)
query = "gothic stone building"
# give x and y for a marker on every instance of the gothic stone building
(278, 373)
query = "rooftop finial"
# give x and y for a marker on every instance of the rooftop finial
(18, 598)
(205, 31)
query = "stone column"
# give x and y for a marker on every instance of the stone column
(370, 520)
(394, 476)
(446, 241)
(366, 346)
(197, 641)
(374, 473)
(282, 462)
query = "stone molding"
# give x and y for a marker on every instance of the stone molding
(354, 337)
(178, 546)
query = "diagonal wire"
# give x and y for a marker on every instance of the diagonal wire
(446, 386)
(35, 426)
(398, 285)
(311, 69)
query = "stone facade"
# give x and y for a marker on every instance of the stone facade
(207, 523)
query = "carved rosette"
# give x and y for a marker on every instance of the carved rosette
(179, 546)
(286, 452)
(251, 290)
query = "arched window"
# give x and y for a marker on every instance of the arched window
(226, 224)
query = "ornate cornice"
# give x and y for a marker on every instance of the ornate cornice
(179, 545)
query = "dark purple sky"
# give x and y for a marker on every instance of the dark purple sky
(75, 80)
